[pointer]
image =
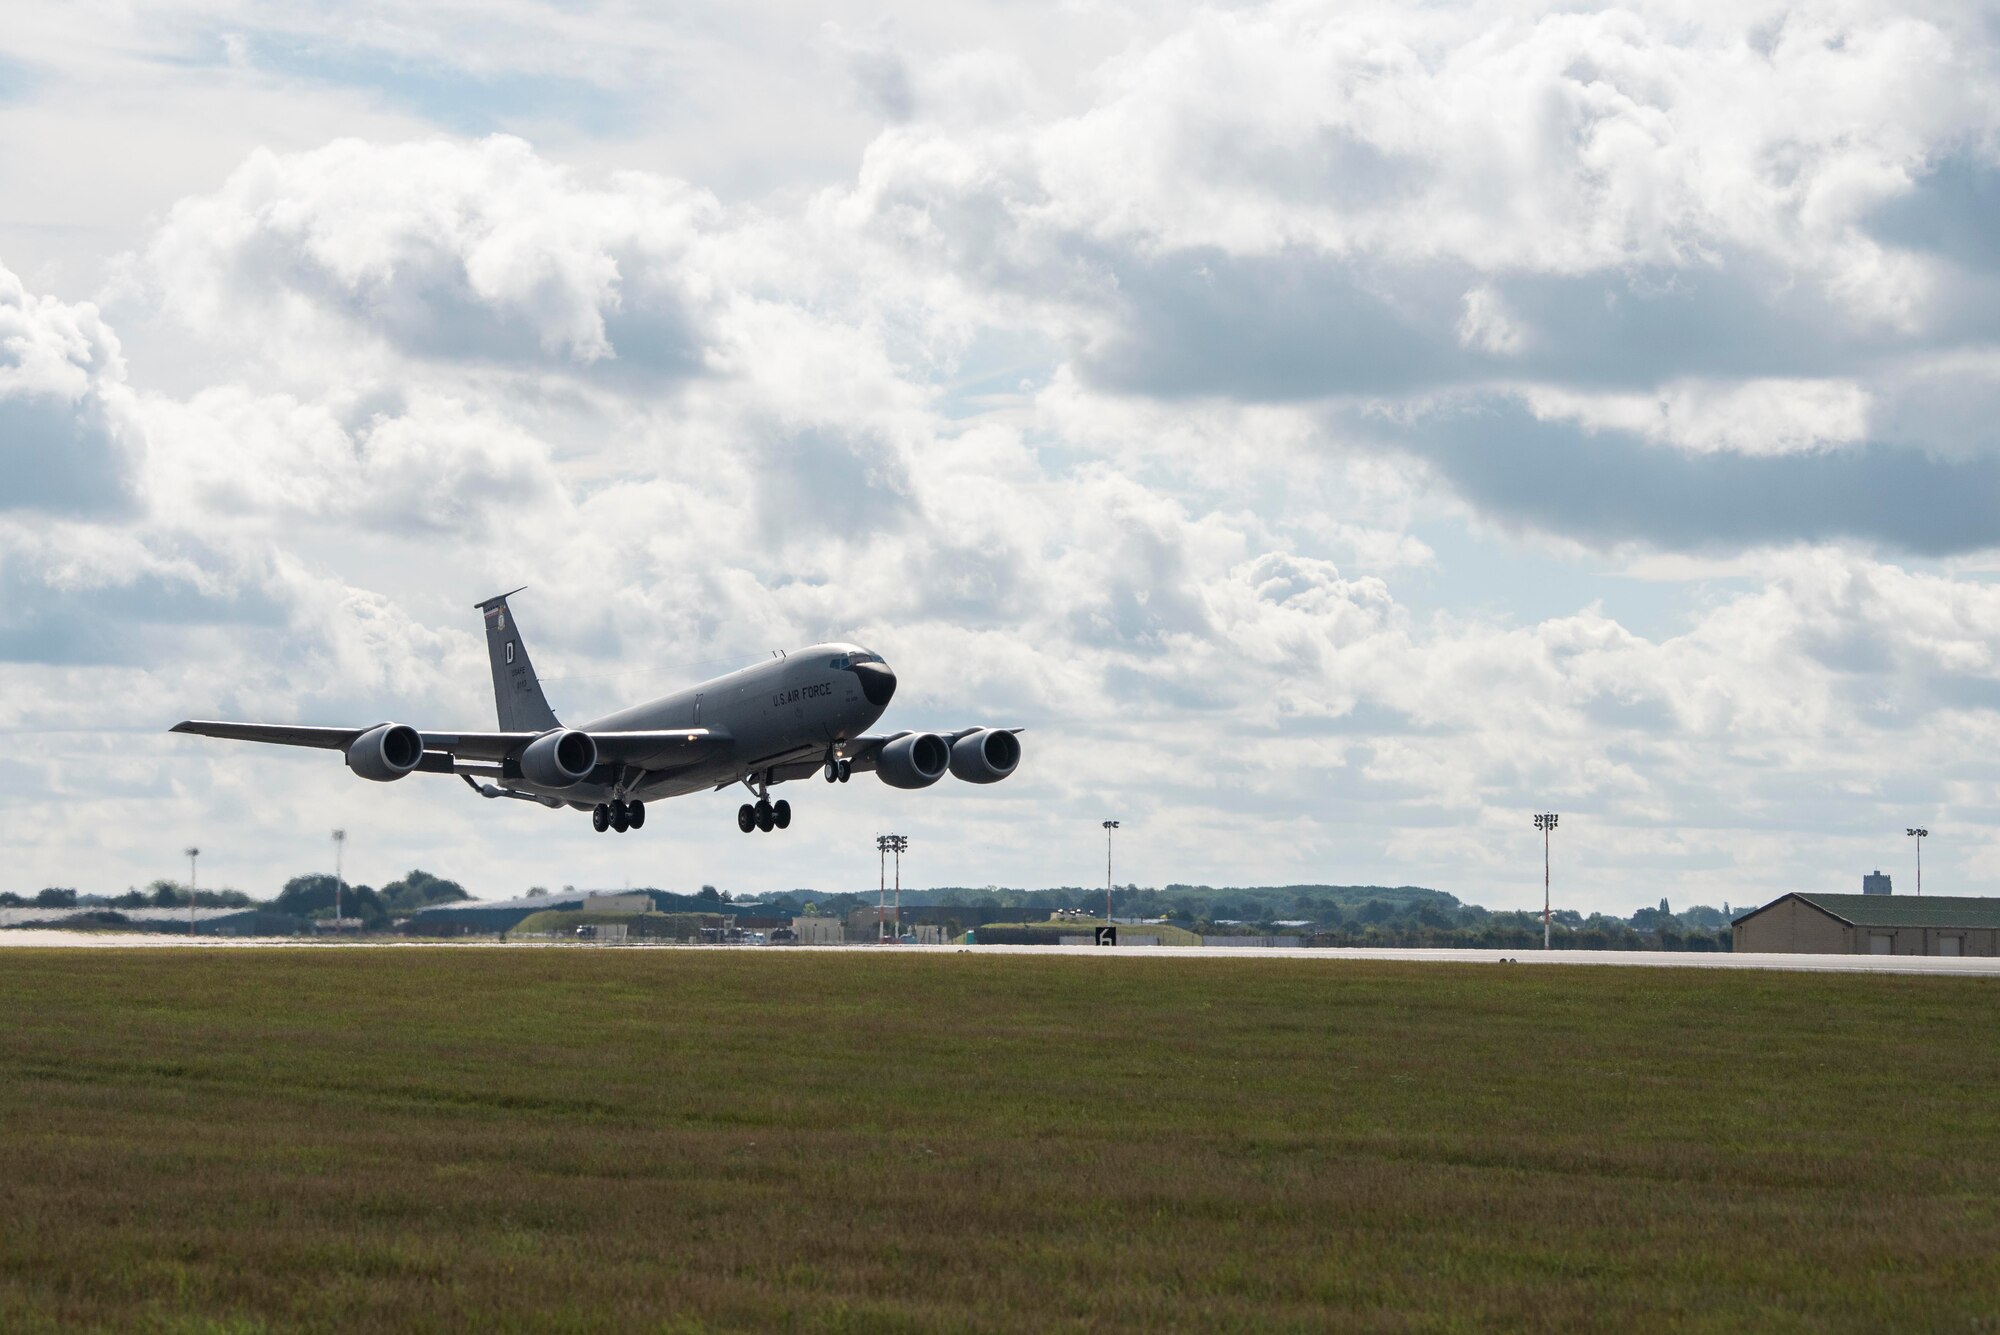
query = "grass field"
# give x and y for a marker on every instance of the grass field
(578, 1139)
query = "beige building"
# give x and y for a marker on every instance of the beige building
(1870, 925)
(819, 931)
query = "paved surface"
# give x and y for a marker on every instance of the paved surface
(1660, 959)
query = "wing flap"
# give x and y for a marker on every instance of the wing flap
(659, 747)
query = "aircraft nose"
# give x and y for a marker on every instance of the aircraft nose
(878, 683)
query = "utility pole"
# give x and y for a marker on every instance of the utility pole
(339, 848)
(192, 854)
(1545, 822)
(1921, 834)
(1109, 826)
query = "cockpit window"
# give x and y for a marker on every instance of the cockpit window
(863, 658)
(838, 663)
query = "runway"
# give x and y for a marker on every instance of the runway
(1972, 967)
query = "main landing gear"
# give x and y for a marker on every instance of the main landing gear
(839, 770)
(619, 816)
(764, 814)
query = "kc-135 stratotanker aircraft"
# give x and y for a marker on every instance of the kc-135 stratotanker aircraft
(793, 716)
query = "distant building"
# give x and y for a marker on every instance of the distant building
(616, 901)
(867, 924)
(484, 917)
(1870, 924)
(249, 920)
(819, 931)
(1875, 883)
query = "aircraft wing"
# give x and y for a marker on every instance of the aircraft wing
(277, 734)
(651, 749)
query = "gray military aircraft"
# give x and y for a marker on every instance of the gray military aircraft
(788, 718)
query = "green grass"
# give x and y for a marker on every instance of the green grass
(578, 1139)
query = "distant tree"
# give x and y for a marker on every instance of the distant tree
(312, 897)
(56, 897)
(165, 895)
(305, 895)
(8, 899)
(710, 895)
(537, 891)
(418, 889)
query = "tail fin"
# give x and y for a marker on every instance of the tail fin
(517, 691)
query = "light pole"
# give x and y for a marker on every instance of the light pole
(1919, 832)
(339, 847)
(897, 844)
(1109, 826)
(192, 854)
(1545, 822)
(881, 888)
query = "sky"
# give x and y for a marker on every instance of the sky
(1335, 432)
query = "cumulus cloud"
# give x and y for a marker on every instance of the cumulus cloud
(1183, 415)
(67, 433)
(460, 252)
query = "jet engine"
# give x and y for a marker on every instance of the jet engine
(914, 760)
(385, 753)
(559, 759)
(986, 756)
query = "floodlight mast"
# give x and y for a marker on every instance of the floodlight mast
(898, 845)
(339, 847)
(192, 853)
(1921, 834)
(1109, 826)
(1545, 822)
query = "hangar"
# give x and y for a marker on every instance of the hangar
(1802, 923)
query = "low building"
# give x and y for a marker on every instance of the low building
(819, 931)
(1866, 924)
(248, 920)
(616, 901)
(486, 917)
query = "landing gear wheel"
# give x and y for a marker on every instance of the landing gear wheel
(636, 811)
(746, 818)
(620, 820)
(846, 770)
(832, 770)
(765, 817)
(600, 818)
(781, 813)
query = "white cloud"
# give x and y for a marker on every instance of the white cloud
(1145, 401)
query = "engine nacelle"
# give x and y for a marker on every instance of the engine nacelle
(559, 759)
(986, 756)
(386, 753)
(914, 760)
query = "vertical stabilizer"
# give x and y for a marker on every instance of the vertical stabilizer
(517, 691)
